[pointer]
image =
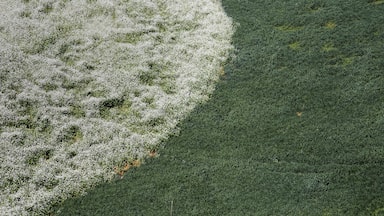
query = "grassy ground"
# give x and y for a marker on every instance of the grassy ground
(294, 127)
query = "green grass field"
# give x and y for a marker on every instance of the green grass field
(295, 126)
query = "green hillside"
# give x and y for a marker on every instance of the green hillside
(295, 126)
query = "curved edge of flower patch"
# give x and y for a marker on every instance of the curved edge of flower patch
(94, 99)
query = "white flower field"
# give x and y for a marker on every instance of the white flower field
(89, 85)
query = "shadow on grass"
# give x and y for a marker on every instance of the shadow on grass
(294, 127)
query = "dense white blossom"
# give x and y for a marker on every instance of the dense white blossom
(86, 85)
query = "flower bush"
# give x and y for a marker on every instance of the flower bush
(88, 84)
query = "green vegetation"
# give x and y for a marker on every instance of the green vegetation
(294, 127)
(47, 8)
(70, 134)
(35, 156)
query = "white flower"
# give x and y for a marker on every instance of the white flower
(85, 86)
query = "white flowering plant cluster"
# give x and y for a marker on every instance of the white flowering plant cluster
(89, 84)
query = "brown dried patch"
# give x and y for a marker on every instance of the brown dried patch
(123, 169)
(299, 114)
(221, 72)
(152, 154)
(136, 163)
